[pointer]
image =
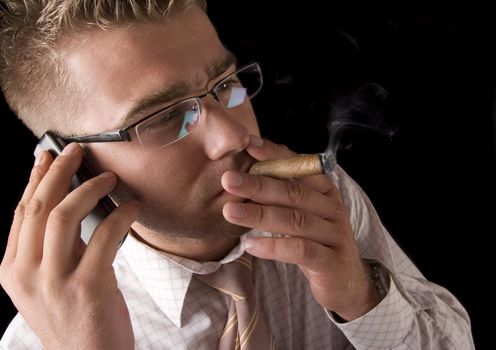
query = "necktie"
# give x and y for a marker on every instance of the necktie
(245, 328)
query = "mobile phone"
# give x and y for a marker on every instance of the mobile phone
(55, 145)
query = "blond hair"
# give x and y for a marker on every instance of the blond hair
(32, 76)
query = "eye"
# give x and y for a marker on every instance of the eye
(164, 119)
(229, 84)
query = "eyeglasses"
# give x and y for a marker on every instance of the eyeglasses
(175, 122)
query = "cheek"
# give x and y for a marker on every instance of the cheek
(151, 175)
(126, 160)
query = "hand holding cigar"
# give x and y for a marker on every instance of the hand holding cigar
(301, 165)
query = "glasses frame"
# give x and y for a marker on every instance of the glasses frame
(123, 135)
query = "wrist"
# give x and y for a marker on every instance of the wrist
(375, 289)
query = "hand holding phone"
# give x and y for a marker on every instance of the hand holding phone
(53, 144)
(67, 293)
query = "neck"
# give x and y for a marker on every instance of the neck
(190, 248)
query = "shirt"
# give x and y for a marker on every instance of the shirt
(170, 309)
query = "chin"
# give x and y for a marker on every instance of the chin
(213, 226)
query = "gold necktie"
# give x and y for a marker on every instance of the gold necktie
(245, 328)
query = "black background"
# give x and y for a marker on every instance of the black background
(432, 182)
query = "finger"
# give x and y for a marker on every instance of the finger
(269, 191)
(291, 250)
(103, 245)
(62, 237)
(43, 161)
(280, 220)
(51, 190)
(263, 149)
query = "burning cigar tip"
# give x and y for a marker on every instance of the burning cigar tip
(299, 166)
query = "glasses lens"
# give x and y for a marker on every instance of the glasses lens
(237, 88)
(169, 125)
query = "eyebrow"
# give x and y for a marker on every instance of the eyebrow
(177, 90)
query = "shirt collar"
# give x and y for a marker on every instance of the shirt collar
(166, 277)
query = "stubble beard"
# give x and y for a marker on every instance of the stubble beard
(206, 227)
(199, 218)
(184, 222)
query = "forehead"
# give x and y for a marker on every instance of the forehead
(120, 65)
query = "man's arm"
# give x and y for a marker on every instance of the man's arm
(65, 291)
(330, 228)
(415, 313)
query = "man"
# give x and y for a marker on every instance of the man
(326, 274)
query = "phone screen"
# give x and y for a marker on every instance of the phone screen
(53, 144)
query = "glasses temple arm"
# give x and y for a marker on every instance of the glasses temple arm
(112, 136)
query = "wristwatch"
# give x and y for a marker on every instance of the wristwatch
(380, 277)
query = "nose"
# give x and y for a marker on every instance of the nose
(223, 132)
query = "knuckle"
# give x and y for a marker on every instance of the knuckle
(81, 285)
(58, 167)
(60, 216)
(333, 192)
(295, 191)
(303, 249)
(297, 220)
(20, 209)
(36, 175)
(33, 208)
(260, 213)
(114, 222)
(106, 230)
(331, 187)
(328, 186)
(259, 184)
(340, 214)
(271, 247)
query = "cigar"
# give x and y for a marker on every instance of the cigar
(299, 166)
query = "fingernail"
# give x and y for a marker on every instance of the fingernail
(39, 158)
(107, 175)
(235, 210)
(250, 244)
(235, 180)
(256, 141)
(69, 149)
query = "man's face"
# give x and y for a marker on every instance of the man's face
(179, 185)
